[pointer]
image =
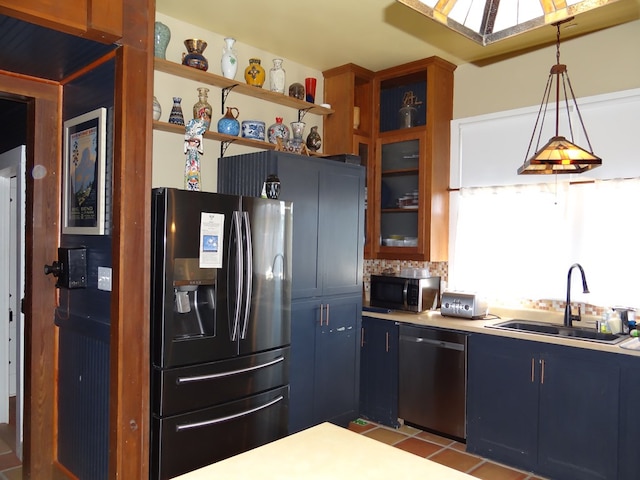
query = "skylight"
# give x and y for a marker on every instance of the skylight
(487, 21)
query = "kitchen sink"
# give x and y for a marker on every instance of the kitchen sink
(556, 330)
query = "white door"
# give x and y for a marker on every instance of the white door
(12, 211)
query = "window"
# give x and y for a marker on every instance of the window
(518, 242)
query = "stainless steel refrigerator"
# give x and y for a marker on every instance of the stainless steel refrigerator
(220, 326)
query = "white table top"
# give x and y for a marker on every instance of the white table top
(325, 452)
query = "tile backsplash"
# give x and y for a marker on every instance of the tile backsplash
(441, 269)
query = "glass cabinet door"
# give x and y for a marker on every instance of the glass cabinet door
(399, 188)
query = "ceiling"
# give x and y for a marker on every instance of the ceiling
(374, 34)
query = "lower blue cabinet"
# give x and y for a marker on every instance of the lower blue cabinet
(379, 371)
(325, 361)
(550, 409)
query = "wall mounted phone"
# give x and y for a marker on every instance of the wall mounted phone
(70, 269)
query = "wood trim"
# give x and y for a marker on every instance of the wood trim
(130, 358)
(44, 147)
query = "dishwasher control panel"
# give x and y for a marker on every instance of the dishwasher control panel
(463, 305)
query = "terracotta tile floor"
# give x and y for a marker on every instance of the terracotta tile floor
(440, 449)
(436, 448)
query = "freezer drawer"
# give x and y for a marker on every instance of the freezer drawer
(192, 440)
(183, 389)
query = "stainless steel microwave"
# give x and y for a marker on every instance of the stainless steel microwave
(404, 293)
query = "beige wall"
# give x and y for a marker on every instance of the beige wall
(601, 62)
(168, 154)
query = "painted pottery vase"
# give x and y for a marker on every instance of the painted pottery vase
(161, 38)
(314, 142)
(253, 129)
(277, 76)
(194, 57)
(296, 90)
(229, 60)
(278, 130)
(272, 186)
(157, 109)
(202, 108)
(176, 117)
(254, 74)
(229, 123)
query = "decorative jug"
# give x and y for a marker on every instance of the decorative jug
(229, 123)
(194, 57)
(254, 74)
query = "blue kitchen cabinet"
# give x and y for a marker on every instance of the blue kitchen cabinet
(327, 261)
(629, 424)
(324, 364)
(379, 371)
(502, 400)
(545, 408)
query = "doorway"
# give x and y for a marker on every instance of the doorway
(12, 214)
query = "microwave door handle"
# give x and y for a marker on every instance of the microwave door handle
(238, 265)
(248, 278)
(405, 294)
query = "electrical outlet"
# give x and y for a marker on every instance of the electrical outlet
(104, 278)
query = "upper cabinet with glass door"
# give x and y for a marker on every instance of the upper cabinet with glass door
(408, 191)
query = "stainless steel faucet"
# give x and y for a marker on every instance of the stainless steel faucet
(568, 316)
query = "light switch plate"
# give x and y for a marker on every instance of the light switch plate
(104, 278)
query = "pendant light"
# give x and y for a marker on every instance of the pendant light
(559, 155)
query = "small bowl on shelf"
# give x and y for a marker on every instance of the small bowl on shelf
(253, 129)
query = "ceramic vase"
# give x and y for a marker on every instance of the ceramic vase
(313, 140)
(202, 108)
(297, 129)
(157, 109)
(161, 38)
(278, 130)
(407, 116)
(229, 60)
(272, 187)
(229, 123)
(296, 90)
(254, 74)
(194, 57)
(176, 117)
(277, 76)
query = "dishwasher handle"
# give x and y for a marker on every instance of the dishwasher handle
(438, 343)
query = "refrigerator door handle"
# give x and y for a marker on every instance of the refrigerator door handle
(239, 267)
(213, 421)
(212, 376)
(248, 279)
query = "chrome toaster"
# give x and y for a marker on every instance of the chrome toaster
(463, 305)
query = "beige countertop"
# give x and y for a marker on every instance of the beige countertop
(433, 318)
(325, 452)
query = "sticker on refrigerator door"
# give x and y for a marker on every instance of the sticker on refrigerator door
(211, 239)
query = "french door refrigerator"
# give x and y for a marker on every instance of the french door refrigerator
(220, 326)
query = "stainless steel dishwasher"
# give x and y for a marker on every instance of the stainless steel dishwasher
(432, 384)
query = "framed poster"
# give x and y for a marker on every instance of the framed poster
(83, 189)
